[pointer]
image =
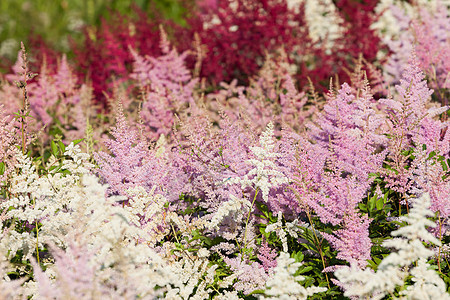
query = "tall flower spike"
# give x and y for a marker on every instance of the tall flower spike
(407, 114)
(127, 167)
(168, 86)
(394, 269)
(264, 175)
(334, 172)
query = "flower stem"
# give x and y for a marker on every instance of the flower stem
(248, 218)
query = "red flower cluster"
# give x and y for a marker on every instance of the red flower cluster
(233, 36)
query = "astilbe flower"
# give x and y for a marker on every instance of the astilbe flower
(234, 208)
(394, 269)
(366, 73)
(324, 22)
(267, 257)
(101, 254)
(335, 201)
(278, 229)
(86, 230)
(413, 124)
(189, 274)
(32, 200)
(193, 273)
(74, 276)
(294, 111)
(358, 37)
(251, 275)
(229, 30)
(148, 213)
(264, 175)
(284, 284)
(432, 36)
(349, 127)
(196, 278)
(332, 175)
(167, 86)
(230, 170)
(427, 283)
(271, 96)
(9, 91)
(132, 160)
(9, 289)
(424, 28)
(432, 145)
(211, 156)
(55, 100)
(17, 70)
(406, 113)
(123, 170)
(14, 97)
(23, 184)
(268, 176)
(291, 228)
(8, 138)
(104, 57)
(352, 241)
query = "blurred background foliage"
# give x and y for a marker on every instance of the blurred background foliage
(55, 22)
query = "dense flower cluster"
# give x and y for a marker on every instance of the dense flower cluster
(427, 284)
(188, 187)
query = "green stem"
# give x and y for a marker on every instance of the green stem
(178, 241)
(318, 245)
(440, 246)
(248, 218)
(37, 236)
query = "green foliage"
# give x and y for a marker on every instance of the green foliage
(55, 21)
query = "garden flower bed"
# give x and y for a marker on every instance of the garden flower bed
(262, 150)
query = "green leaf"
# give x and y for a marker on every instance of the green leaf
(56, 168)
(371, 203)
(299, 256)
(372, 264)
(62, 147)
(304, 270)
(75, 142)
(2, 168)
(257, 292)
(362, 207)
(407, 152)
(54, 148)
(432, 154)
(380, 203)
(444, 166)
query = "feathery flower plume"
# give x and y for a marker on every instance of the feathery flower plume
(394, 269)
